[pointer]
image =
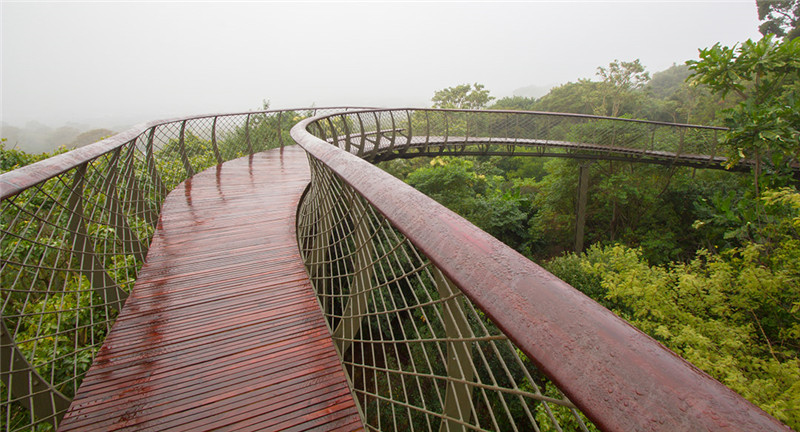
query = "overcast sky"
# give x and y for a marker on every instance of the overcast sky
(112, 63)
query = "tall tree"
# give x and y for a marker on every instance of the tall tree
(620, 83)
(464, 96)
(765, 77)
(574, 97)
(779, 17)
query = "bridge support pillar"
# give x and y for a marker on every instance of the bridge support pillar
(580, 212)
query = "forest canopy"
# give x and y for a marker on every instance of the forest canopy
(707, 262)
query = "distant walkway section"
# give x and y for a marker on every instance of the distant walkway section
(222, 330)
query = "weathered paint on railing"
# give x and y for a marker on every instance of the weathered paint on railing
(92, 212)
(622, 379)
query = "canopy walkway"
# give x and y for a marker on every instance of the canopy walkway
(204, 274)
(222, 328)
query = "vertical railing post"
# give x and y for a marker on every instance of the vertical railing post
(346, 121)
(320, 131)
(466, 132)
(153, 168)
(394, 132)
(357, 300)
(89, 263)
(334, 133)
(409, 133)
(446, 127)
(580, 218)
(280, 129)
(427, 130)
(214, 145)
(247, 134)
(363, 136)
(458, 399)
(378, 136)
(136, 202)
(117, 217)
(182, 150)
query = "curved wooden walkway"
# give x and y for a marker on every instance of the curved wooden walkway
(222, 330)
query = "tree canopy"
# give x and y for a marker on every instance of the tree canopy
(764, 78)
(463, 96)
(779, 17)
(700, 260)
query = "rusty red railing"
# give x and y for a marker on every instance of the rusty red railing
(365, 235)
(438, 325)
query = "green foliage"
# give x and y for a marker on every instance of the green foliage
(779, 17)
(464, 96)
(764, 76)
(566, 417)
(670, 98)
(626, 91)
(12, 158)
(59, 319)
(667, 82)
(579, 97)
(477, 192)
(735, 315)
(518, 103)
(646, 206)
(619, 85)
(450, 181)
(529, 203)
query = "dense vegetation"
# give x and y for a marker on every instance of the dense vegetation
(705, 261)
(66, 315)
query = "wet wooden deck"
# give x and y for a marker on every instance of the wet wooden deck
(222, 330)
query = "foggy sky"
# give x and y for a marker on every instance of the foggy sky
(115, 63)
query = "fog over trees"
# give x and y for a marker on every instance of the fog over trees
(71, 62)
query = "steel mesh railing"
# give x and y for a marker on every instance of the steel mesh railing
(378, 135)
(75, 230)
(439, 326)
(435, 322)
(418, 353)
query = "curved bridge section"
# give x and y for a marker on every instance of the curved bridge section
(437, 325)
(75, 231)
(221, 329)
(378, 135)
(478, 296)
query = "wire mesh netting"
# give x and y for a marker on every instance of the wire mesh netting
(418, 353)
(72, 246)
(387, 134)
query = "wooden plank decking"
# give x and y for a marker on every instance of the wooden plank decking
(222, 330)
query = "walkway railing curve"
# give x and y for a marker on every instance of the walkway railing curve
(441, 326)
(74, 231)
(385, 134)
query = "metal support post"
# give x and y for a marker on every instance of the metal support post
(458, 400)
(580, 219)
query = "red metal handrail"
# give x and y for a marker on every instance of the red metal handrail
(618, 376)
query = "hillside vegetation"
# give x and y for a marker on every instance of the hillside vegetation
(707, 262)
